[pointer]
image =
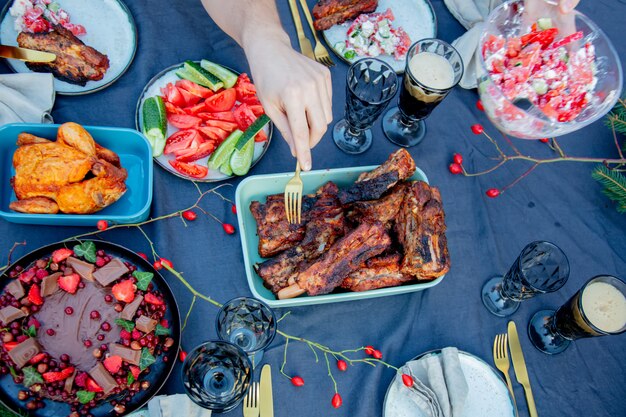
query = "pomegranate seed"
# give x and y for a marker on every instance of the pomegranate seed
(136, 334)
(189, 215)
(369, 350)
(228, 228)
(50, 332)
(143, 255)
(94, 315)
(157, 265)
(124, 334)
(87, 343)
(105, 326)
(337, 401)
(297, 381)
(69, 311)
(165, 323)
(103, 347)
(342, 365)
(233, 208)
(100, 337)
(407, 380)
(65, 357)
(457, 158)
(479, 105)
(100, 262)
(102, 225)
(544, 140)
(377, 354)
(167, 263)
(477, 129)
(108, 298)
(455, 168)
(492, 192)
(182, 355)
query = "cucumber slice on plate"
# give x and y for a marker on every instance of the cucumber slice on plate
(155, 123)
(226, 169)
(252, 130)
(194, 72)
(227, 77)
(241, 159)
(223, 152)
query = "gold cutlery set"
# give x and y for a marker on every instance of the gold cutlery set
(259, 401)
(319, 54)
(501, 345)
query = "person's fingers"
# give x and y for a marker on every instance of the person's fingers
(282, 124)
(299, 130)
(317, 122)
(566, 6)
(325, 90)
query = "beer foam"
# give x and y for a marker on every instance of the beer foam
(432, 70)
(605, 306)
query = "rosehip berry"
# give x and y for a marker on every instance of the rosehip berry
(189, 215)
(369, 350)
(233, 208)
(102, 225)
(157, 265)
(143, 255)
(377, 354)
(167, 263)
(457, 158)
(455, 168)
(228, 228)
(544, 140)
(342, 365)
(337, 401)
(182, 355)
(297, 381)
(477, 129)
(407, 380)
(492, 192)
(69, 311)
(479, 105)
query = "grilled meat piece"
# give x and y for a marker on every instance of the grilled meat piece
(343, 258)
(421, 228)
(326, 225)
(328, 13)
(76, 62)
(383, 210)
(372, 185)
(379, 272)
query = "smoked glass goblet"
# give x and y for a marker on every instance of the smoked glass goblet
(597, 309)
(542, 267)
(371, 84)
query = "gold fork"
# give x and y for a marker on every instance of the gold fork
(501, 359)
(321, 54)
(293, 197)
(251, 402)
(305, 43)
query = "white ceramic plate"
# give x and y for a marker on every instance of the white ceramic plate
(153, 88)
(487, 396)
(110, 30)
(416, 17)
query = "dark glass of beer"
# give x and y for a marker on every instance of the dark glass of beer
(597, 309)
(433, 68)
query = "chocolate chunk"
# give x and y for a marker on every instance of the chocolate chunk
(82, 268)
(15, 288)
(22, 353)
(103, 378)
(145, 324)
(69, 383)
(130, 309)
(50, 285)
(127, 354)
(10, 313)
(110, 272)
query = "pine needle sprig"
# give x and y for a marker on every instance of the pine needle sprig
(616, 119)
(614, 184)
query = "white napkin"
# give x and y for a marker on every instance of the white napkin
(471, 14)
(26, 98)
(177, 405)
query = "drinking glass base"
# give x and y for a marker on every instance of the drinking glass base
(494, 301)
(256, 358)
(541, 334)
(400, 133)
(349, 140)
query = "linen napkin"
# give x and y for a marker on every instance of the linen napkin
(177, 405)
(471, 14)
(26, 98)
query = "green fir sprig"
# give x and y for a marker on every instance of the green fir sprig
(614, 184)
(616, 119)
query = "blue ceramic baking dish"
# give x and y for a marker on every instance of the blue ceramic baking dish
(135, 156)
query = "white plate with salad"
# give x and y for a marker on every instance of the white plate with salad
(106, 25)
(386, 34)
(204, 121)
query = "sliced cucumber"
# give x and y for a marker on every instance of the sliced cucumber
(155, 123)
(194, 72)
(223, 152)
(252, 130)
(544, 23)
(226, 169)
(340, 47)
(540, 86)
(350, 54)
(227, 77)
(241, 159)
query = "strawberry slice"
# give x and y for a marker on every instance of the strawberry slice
(69, 283)
(62, 254)
(92, 385)
(113, 363)
(10, 345)
(58, 376)
(135, 371)
(152, 299)
(34, 295)
(37, 358)
(28, 275)
(124, 291)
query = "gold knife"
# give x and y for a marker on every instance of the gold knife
(305, 44)
(24, 54)
(519, 364)
(266, 401)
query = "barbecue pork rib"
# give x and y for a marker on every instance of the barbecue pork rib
(420, 227)
(343, 258)
(379, 272)
(76, 62)
(326, 224)
(328, 13)
(383, 210)
(372, 185)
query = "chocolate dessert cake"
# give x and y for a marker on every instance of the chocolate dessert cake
(81, 326)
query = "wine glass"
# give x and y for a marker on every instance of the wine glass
(540, 268)
(433, 68)
(248, 323)
(371, 84)
(216, 375)
(597, 309)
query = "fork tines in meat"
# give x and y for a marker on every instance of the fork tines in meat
(421, 228)
(378, 272)
(76, 62)
(372, 185)
(328, 13)
(343, 258)
(383, 210)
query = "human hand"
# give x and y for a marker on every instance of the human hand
(296, 92)
(558, 10)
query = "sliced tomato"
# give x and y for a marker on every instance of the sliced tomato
(183, 121)
(227, 126)
(180, 140)
(246, 91)
(226, 116)
(205, 149)
(222, 101)
(194, 110)
(193, 88)
(173, 95)
(189, 169)
(261, 136)
(544, 37)
(172, 109)
(213, 133)
(257, 110)
(190, 99)
(244, 116)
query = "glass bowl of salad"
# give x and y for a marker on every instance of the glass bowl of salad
(543, 74)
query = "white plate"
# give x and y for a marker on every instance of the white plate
(110, 30)
(487, 396)
(153, 88)
(416, 17)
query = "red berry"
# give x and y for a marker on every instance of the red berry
(136, 334)
(455, 168)
(189, 215)
(167, 263)
(125, 334)
(143, 255)
(493, 192)
(105, 326)
(337, 401)
(477, 129)
(87, 343)
(544, 140)
(233, 208)
(69, 311)
(457, 158)
(157, 265)
(182, 355)
(94, 315)
(108, 298)
(407, 380)
(102, 225)
(377, 354)
(100, 262)
(50, 332)
(297, 381)
(479, 105)
(342, 365)
(369, 350)
(228, 228)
